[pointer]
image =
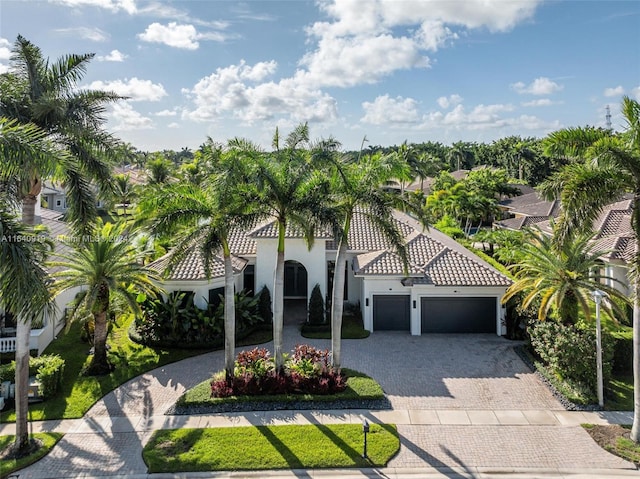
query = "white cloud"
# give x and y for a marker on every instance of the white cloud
(5, 49)
(178, 35)
(134, 88)
(539, 86)
(636, 92)
(92, 34)
(232, 91)
(167, 113)
(128, 6)
(126, 118)
(173, 125)
(617, 91)
(539, 102)
(385, 110)
(451, 100)
(114, 56)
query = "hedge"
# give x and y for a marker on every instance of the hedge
(48, 370)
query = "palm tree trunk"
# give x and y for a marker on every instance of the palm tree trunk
(29, 210)
(337, 304)
(278, 302)
(99, 363)
(23, 331)
(229, 316)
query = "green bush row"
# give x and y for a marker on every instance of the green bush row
(571, 353)
(48, 370)
(623, 351)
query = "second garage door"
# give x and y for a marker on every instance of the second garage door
(458, 315)
(391, 313)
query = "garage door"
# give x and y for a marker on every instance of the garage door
(458, 315)
(391, 313)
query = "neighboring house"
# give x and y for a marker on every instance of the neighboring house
(446, 289)
(54, 197)
(613, 231)
(43, 334)
(526, 210)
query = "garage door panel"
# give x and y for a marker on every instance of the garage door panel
(391, 313)
(458, 315)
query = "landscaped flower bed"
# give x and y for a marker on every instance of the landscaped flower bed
(307, 371)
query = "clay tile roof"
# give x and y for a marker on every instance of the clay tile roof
(423, 249)
(617, 247)
(58, 231)
(191, 268)
(520, 222)
(382, 263)
(451, 268)
(241, 243)
(614, 223)
(270, 230)
(363, 236)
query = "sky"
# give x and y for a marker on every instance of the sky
(365, 72)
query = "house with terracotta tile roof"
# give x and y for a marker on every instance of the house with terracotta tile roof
(444, 289)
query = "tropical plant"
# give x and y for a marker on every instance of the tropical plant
(560, 277)
(23, 281)
(123, 191)
(106, 269)
(46, 94)
(316, 306)
(293, 194)
(612, 168)
(357, 188)
(158, 170)
(206, 214)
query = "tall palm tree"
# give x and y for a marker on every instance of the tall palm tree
(106, 268)
(47, 94)
(292, 193)
(206, 214)
(23, 281)
(612, 168)
(357, 189)
(559, 276)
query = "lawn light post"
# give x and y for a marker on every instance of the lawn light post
(597, 296)
(365, 430)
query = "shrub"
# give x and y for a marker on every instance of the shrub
(450, 227)
(623, 351)
(316, 306)
(307, 371)
(264, 305)
(48, 370)
(571, 352)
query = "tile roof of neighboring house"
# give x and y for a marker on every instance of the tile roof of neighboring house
(531, 204)
(59, 232)
(191, 268)
(451, 268)
(520, 222)
(618, 248)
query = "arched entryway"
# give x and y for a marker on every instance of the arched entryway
(295, 292)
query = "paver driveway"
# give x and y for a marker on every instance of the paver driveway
(474, 373)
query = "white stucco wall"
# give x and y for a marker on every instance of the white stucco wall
(620, 272)
(295, 250)
(200, 288)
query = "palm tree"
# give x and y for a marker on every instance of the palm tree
(357, 189)
(559, 276)
(206, 215)
(106, 268)
(613, 167)
(291, 193)
(158, 170)
(47, 94)
(123, 191)
(23, 281)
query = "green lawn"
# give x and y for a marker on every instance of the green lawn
(7, 465)
(269, 447)
(352, 328)
(79, 392)
(359, 387)
(619, 393)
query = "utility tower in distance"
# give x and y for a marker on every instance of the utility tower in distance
(608, 118)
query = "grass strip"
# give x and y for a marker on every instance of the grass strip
(269, 447)
(352, 328)
(359, 387)
(8, 465)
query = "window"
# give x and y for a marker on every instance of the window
(249, 279)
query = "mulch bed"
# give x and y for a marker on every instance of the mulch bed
(607, 437)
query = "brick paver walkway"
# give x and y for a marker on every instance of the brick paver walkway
(460, 401)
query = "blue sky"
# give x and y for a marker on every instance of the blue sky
(390, 70)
